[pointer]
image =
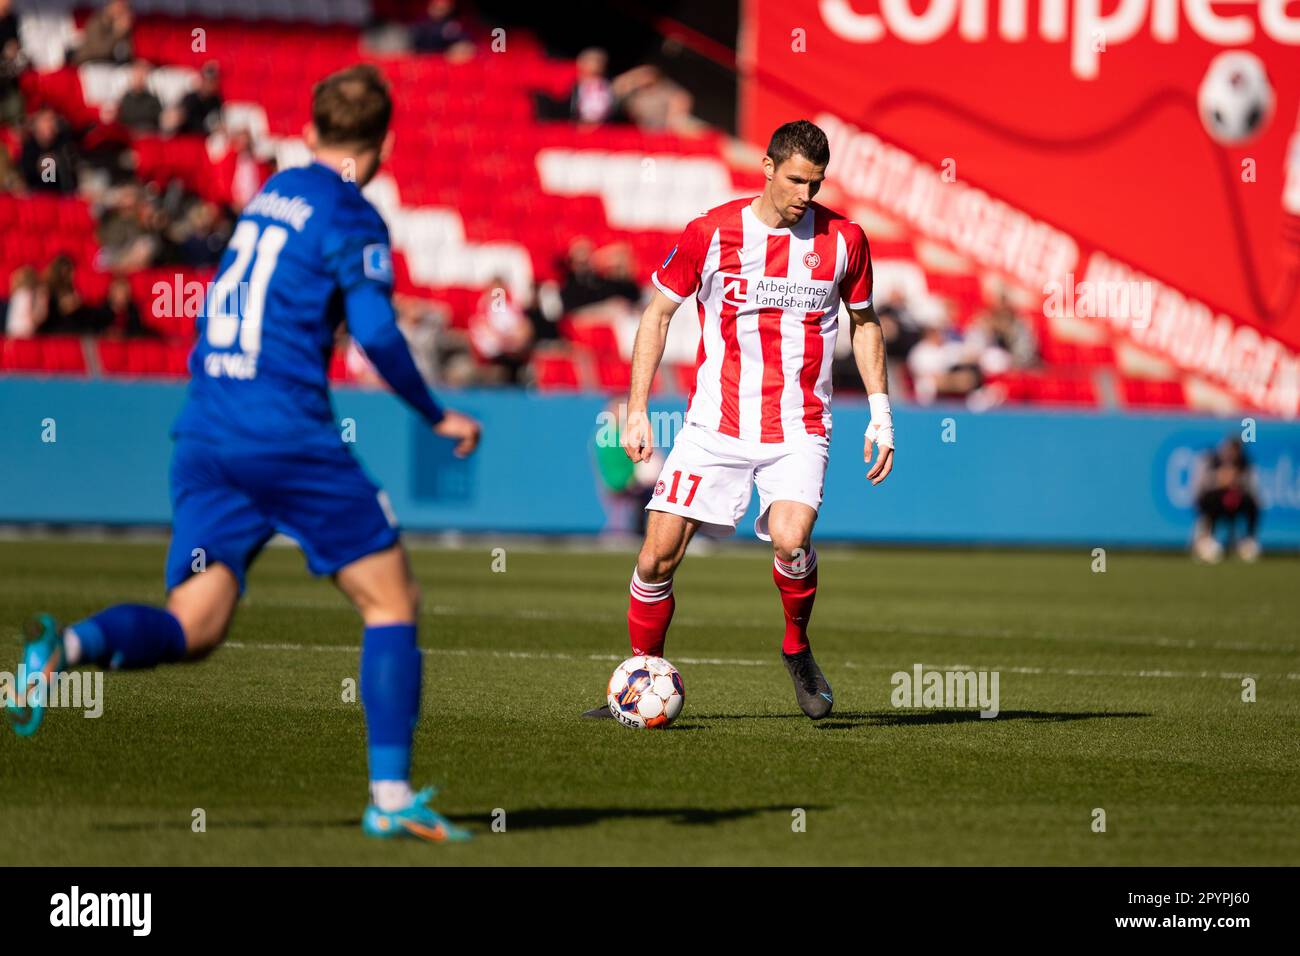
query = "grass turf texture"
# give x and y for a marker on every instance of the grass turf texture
(1119, 690)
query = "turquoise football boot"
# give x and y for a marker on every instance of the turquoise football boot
(43, 653)
(419, 821)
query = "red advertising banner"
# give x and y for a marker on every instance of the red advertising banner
(1084, 148)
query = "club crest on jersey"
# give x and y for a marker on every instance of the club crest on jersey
(735, 290)
(659, 488)
(637, 684)
(812, 260)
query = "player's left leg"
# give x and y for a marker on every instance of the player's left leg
(216, 531)
(790, 493)
(384, 591)
(794, 571)
(128, 637)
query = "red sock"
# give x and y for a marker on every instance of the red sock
(797, 583)
(649, 611)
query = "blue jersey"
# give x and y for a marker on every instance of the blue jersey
(305, 246)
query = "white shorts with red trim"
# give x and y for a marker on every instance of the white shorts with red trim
(710, 477)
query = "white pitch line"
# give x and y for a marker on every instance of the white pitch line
(747, 662)
(1135, 640)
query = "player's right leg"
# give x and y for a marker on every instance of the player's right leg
(650, 602)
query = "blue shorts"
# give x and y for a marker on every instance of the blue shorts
(227, 504)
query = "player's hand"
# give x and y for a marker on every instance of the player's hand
(461, 429)
(881, 439)
(636, 437)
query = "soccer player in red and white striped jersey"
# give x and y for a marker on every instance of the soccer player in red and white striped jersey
(768, 274)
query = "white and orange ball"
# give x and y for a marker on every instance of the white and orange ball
(646, 692)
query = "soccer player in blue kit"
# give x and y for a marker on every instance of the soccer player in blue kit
(257, 450)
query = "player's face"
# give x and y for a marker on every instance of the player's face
(793, 185)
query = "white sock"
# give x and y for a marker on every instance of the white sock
(391, 795)
(72, 647)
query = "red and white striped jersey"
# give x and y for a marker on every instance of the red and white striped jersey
(769, 304)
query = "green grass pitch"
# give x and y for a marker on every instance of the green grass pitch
(1119, 690)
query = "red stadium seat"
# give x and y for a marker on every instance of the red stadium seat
(61, 355)
(143, 358)
(555, 372)
(1144, 393)
(612, 373)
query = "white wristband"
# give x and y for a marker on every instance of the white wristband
(880, 413)
(881, 430)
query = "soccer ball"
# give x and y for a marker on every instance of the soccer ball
(1235, 98)
(646, 692)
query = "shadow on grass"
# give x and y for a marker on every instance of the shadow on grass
(912, 718)
(280, 823)
(557, 818)
(537, 818)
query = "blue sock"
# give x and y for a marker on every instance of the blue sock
(129, 636)
(390, 694)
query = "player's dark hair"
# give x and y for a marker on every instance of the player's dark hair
(352, 107)
(800, 137)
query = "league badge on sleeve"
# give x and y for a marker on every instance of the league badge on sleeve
(377, 261)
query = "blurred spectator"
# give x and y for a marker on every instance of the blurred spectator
(126, 232)
(12, 64)
(240, 170)
(898, 326)
(654, 102)
(107, 35)
(199, 111)
(941, 366)
(592, 97)
(120, 316)
(546, 310)
(435, 346)
(199, 235)
(67, 313)
(584, 285)
(8, 24)
(11, 179)
(1226, 492)
(48, 158)
(441, 31)
(139, 109)
(900, 333)
(500, 334)
(1001, 330)
(28, 304)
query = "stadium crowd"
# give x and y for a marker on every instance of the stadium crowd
(162, 221)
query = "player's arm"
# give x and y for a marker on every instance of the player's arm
(647, 352)
(869, 355)
(373, 325)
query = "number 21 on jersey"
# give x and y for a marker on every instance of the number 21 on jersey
(242, 317)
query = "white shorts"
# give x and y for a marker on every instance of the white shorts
(709, 477)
